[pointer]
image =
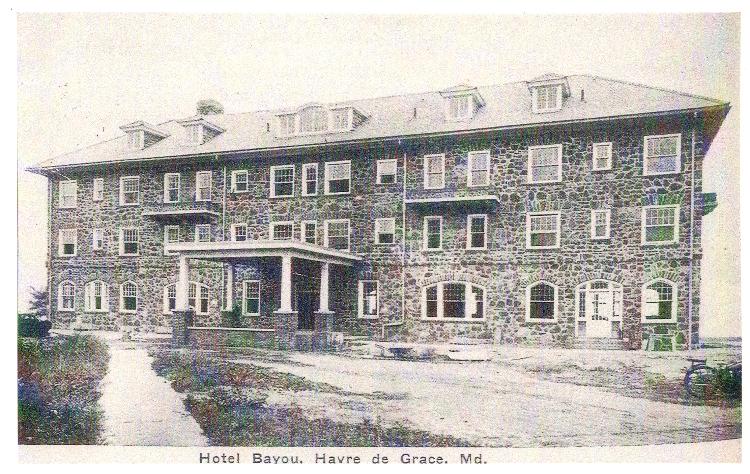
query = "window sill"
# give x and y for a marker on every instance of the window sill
(60, 310)
(338, 194)
(96, 311)
(130, 205)
(666, 173)
(433, 189)
(544, 182)
(659, 244)
(235, 191)
(282, 196)
(596, 170)
(67, 207)
(474, 186)
(658, 321)
(130, 255)
(310, 195)
(475, 248)
(129, 311)
(371, 318)
(67, 255)
(456, 320)
(601, 238)
(541, 321)
(544, 248)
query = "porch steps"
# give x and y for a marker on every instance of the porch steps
(600, 343)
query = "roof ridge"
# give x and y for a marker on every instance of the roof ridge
(664, 89)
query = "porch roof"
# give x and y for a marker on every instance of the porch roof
(229, 251)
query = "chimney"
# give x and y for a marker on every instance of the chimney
(208, 107)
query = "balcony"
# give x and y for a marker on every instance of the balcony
(185, 210)
(446, 197)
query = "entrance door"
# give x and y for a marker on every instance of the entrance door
(600, 304)
(306, 308)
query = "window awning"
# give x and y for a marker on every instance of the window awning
(170, 214)
(231, 251)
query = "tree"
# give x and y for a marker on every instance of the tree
(209, 107)
(38, 305)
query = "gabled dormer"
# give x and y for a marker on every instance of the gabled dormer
(198, 130)
(311, 119)
(141, 135)
(461, 102)
(548, 92)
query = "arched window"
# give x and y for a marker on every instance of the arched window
(66, 296)
(96, 296)
(128, 297)
(659, 301)
(454, 301)
(541, 301)
(197, 298)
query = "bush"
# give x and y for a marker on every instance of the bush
(31, 326)
(233, 318)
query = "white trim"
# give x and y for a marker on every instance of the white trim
(60, 296)
(60, 243)
(122, 242)
(97, 183)
(529, 215)
(263, 248)
(336, 221)
(94, 246)
(192, 286)
(88, 297)
(678, 160)
(233, 232)
(535, 98)
(607, 214)
(556, 307)
(196, 233)
(441, 302)
(360, 301)
(166, 187)
(425, 236)
(244, 298)
(326, 180)
(469, 107)
(273, 180)
(67, 182)
(379, 175)
(272, 229)
(529, 167)
(122, 191)
(673, 319)
(469, 218)
(425, 168)
(303, 231)
(236, 173)
(469, 168)
(122, 297)
(594, 156)
(437, 199)
(167, 228)
(676, 225)
(210, 185)
(377, 232)
(305, 191)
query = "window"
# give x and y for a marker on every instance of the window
(476, 231)
(661, 154)
(310, 179)
(95, 296)
(130, 190)
(170, 298)
(385, 230)
(542, 230)
(171, 187)
(541, 302)
(251, 297)
(282, 181)
(135, 140)
(287, 124)
(545, 164)
(198, 298)
(340, 119)
(659, 301)
(434, 171)
(129, 241)
(203, 233)
(479, 168)
(194, 134)
(97, 239)
(386, 172)
(98, 194)
(239, 232)
(171, 236)
(600, 223)
(239, 181)
(547, 98)
(67, 242)
(313, 120)
(602, 159)
(128, 297)
(203, 186)
(454, 301)
(433, 233)
(368, 299)
(66, 296)
(282, 230)
(336, 234)
(68, 195)
(459, 107)
(659, 224)
(338, 176)
(310, 232)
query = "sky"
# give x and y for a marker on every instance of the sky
(82, 76)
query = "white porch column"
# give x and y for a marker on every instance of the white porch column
(286, 284)
(183, 283)
(324, 268)
(230, 287)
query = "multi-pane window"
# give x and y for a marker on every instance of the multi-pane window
(433, 233)
(602, 158)
(434, 171)
(545, 164)
(368, 299)
(67, 242)
(659, 301)
(479, 168)
(97, 239)
(541, 301)
(338, 177)
(287, 124)
(547, 98)
(313, 120)
(171, 187)
(459, 107)
(340, 119)
(386, 172)
(251, 297)
(203, 233)
(282, 181)
(385, 230)
(337, 234)
(454, 301)
(203, 186)
(170, 298)
(542, 230)
(239, 181)
(128, 297)
(310, 232)
(66, 296)
(282, 230)
(198, 298)
(476, 231)
(310, 179)
(68, 194)
(660, 224)
(129, 241)
(171, 236)
(661, 154)
(130, 190)
(600, 223)
(96, 296)
(194, 134)
(239, 232)
(135, 140)
(98, 194)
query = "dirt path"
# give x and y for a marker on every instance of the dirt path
(141, 408)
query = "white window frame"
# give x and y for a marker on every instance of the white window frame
(607, 216)
(194, 288)
(138, 143)
(167, 228)
(327, 222)
(237, 173)
(678, 160)
(425, 236)
(378, 223)
(122, 190)
(198, 227)
(273, 180)
(676, 225)
(441, 302)
(97, 193)
(244, 298)
(327, 181)
(469, 218)
(122, 297)
(97, 244)
(305, 189)
(303, 231)
(194, 134)
(529, 216)
(88, 297)
(198, 174)
(272, 230)
(535, 98)
(529, 166)
(166, 187)
(73, 194)
(673, 318)
(379, 171)
(60, 297)
(361, 303)
(594, 156)
(425, 179)
(61, 242)
(234, 231)
(470, 168)
(122, 241)
(556, 302)
(469, 101)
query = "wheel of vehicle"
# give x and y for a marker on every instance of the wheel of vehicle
(701, 382)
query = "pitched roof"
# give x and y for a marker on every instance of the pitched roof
(507, 105)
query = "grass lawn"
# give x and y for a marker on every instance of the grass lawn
(58, 381)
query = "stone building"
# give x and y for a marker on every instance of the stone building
(556, 211)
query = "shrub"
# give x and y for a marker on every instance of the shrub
(233, 318)
(30, 325)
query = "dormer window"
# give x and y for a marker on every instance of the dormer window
(340, 119)
(198, 130)
(316, 119)
(548, 93)
(313, 119)
(461, 102)
(135, 140)
(141, 135)
(194, 134)
(458, 108)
